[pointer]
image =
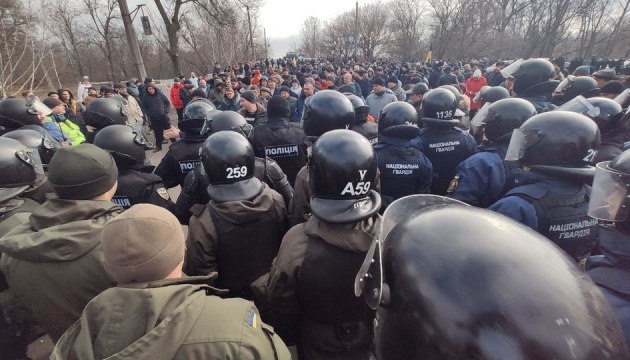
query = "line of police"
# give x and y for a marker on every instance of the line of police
(441, 280)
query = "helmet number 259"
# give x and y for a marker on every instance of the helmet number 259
(236, 172)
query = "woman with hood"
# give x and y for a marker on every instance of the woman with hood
(231, 100)
(156, 105)
(74, 109)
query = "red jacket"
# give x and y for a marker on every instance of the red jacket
(175, 100)
(473, 86)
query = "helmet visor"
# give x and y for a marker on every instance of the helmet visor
(522, 140)
(565, 84)
(609, 194)
(481, 115)
(580, 105)
(479, 95)
(35, 106)
(510, 70)
(369, 279)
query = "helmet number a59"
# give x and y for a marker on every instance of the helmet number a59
(236, 172)
(361, 188)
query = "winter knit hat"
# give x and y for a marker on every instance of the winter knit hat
(249, 96)
(378, 81)
(143, 244)
(285, 88)
(82, 172)
(347, 88)
(199, 93)
(476, 74)
(613, 87)
(393, 79)
(51, 102)
(176, 79)
(278, 107)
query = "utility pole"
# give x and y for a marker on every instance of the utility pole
(265, 34)
(132, 40)
(251, 34)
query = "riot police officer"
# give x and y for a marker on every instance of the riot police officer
(449, 281)
(613, 124)
(183, 156)
(571, 87)
(136, 183)
(609, 202)
(265, 169)
(532, 82)
(557, 148)
(310, 284)
(280, 139)
(22, 171)
(486, 96)
(40, 141)
(101, 113)
(238, 232)
(362, 125)
(441, 140)
(17, 112)
(404, 170)
(485, 177)
(325, 111)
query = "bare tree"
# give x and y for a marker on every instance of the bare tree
(405, 28)
(105, 16)
(309, 36)
(373, 32)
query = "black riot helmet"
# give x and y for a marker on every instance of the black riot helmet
(556, 139)
(584, 70)
(606, 113)
(21, 168)
(610, 197)
(231, 120)
(439, 104)
(342, 171)
(457, 290)
(455, 91)
(194, 116)
(492, 94)
(529, 73)
(506, 115)
(572, 86)
(398, 119)
(17, 112)
(104, 112)
(207, 125)
(361, 110)
(124, 143)
(228, 160)
(325, 111)
(45, 145)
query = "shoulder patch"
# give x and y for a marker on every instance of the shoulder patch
(163, 193)
(252, 319)
(453, 185)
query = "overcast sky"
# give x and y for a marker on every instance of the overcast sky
(283, 19)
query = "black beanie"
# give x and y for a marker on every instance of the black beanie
(199, 93)
(285, 88)
(249, 96)
(393, 79)
(278, 107)
(82, 172)
(246, 81)
(378, 81)
(52, 102)
(348, 88)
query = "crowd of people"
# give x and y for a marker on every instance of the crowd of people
(355, 210)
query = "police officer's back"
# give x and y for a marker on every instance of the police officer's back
(103, 112)
(310, 284)
(485, 177)
(404, 170)
(136, 183)
(556, 149)
(183, 156)
(196, 183)
(610, 270)
(17, 112)
(280, 139)
(238, 232)
(450, 281)
(441, 140)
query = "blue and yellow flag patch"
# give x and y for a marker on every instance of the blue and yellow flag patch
(252, 319)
